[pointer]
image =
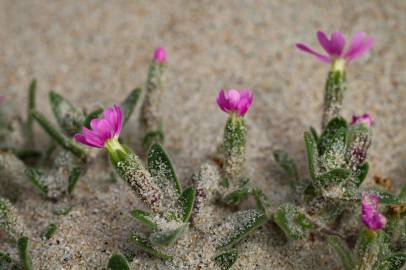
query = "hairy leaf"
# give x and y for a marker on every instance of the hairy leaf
(330, 131)
(143, 244)
(24, 254)
(288, 165)
(186, 201)
(167, 237)
(226, 259)
(118, 262)
(145, 217)
(343, 251)
(292, 221)
(129, 104)
(237, 196)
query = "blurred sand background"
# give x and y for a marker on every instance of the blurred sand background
(95, 52)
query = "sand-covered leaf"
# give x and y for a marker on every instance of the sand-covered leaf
(69, 118)
(145, 217)
(393, 262)
(237, 196)
(312, 154)
(360, 174)
(129, 104)
(333, 177)
(288, 165)
(261, 200)
(73, 179)
(161, 168)
(186, 201)
(226, 259)
(330, 131)
(335, 154)
(368, 248)
(145, 245)
(167, 237)
(239, 225)
(49, 231)
(35, 178)
(343, 252)
(58, 137)
(118, 262)
(292, 221)
(24, 253)
(402, 194)
(31, 104)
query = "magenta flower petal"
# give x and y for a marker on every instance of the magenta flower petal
(325, 43)
(365, 118)
(160, 55)
(371, 216)
(319, 56)
(234, 101)
(360, 44)
(103, 129)
(337, 43)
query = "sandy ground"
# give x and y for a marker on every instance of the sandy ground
(95, 52)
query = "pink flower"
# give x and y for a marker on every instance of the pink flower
(160, 55)
(371, 216)
(235, 101)
(102, 130)
(334, 46)
(365, 118)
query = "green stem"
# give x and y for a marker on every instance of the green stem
(334, 92)
(235, 134)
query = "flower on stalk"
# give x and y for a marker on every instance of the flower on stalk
(102, 130)
(160, 55)
(234, 101)
(371, 216)
(334, 47)
(366, 118)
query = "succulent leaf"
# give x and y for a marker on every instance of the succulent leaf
(288, 165)
(161, 168)
(145, 217)
(343, 251)
(118, 262)
(240, 225)
(292, 221)
(49, 231)
(129, 104)
(167, 237)
(261, 200)
(226, 259)
(153, 136)
(73, 179)
(35, 177)
(32, 92)
(146, 246)
(237, 196)
(24, 253)
(186, 201)
(393, 262)
(330, 132)
(312, 155)
(69, 118)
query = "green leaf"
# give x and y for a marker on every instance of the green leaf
(73, 179)
(35, 177)
(360, 174)
(236, 197)
(118, 262)
(153, 136)
(393, 262)
(292, 221)
(402, 194)
(310, 192)
(385, 197)
(32, 92)
(333, 177)
(330, 131)
(24, 253)
(143, 244)
(58, 137)
(335, 152)
(167, 237)
(226, 259)
(288, 165)
(240, 225)
(49, 231)
(92, 115)
(69, 118)
(145, 217)
(314, 133)
(129, 104)
(343, 251)
(160, 167)
(6, 263)
(312, 155)
(261, 200)
(186, 201)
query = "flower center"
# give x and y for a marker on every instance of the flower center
(338, 64)
(115, 149)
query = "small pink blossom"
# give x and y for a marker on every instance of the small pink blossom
(365, 118)
(103, 129)
(160, 55)
(334, 47)
(371, 216)
(235, 101)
